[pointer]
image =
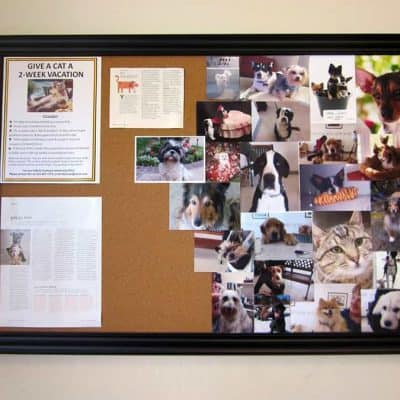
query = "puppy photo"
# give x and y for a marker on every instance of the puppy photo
(383, 311)
(273, 231)
(332, 90)
(271, 183)
(169, 159)
(205, 206)
(388, 307)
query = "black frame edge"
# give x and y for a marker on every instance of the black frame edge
(35, 342)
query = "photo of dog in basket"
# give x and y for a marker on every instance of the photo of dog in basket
(378, 103)
(332, 87)
(224, 121)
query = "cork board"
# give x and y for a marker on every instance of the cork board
(148, 280)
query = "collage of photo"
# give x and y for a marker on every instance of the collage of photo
(291, 184)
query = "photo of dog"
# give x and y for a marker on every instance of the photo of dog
(383, 89)
(385, 268)
(326, 187)
(388, 155)
(332, 90)
(171, 155)
(270, 194)
(332, 150)
(223, 78)
(273, 231)
(385, 215)
(379, 110)
(329, 317)
(329, 184)
(169, 159)
(278, 323)
(280, 236)
(227, 121)
(233, 316)
(289, 81)
(383, 311)
(280, 121)
(268, 278)
(391, 220)
(274, 78)
(388, 307)
(283, 124)
(15, 247)
(236, 250)
(235, 303)
(205, 206)
(264, 78)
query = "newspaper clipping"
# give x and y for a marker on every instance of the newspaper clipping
(146, 97)
(50, 262)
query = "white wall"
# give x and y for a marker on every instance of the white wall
(187, 377)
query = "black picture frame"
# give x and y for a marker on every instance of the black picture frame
(35, 342)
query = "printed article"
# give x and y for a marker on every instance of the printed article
(50, 262)
(146, 97)
(51, 120)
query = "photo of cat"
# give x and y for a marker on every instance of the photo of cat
(342, 248)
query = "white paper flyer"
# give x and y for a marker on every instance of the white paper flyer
(50, 262)
(51, 120)
(146, 97)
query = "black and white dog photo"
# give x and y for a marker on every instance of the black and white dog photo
(263, 79)
(270, 195)
(171, 155)
(283, 125)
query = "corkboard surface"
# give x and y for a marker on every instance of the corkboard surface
(148, 279)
